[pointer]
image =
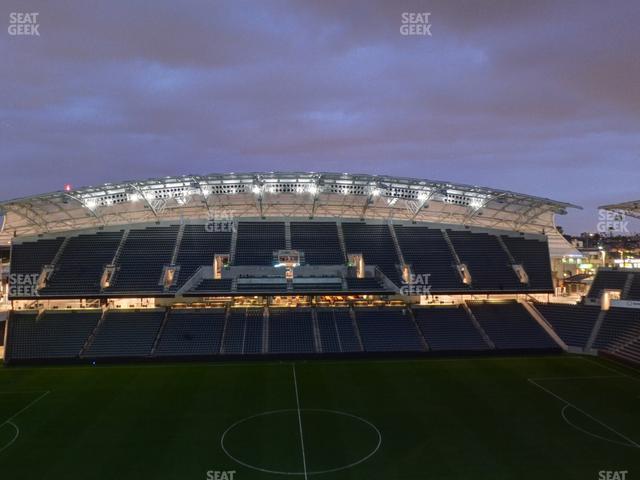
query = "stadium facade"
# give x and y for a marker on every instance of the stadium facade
(284, 264)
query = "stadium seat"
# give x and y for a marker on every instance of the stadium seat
(126, 334)
(257, 241)
(533, 255)
(191, 332)
(573, 323)
(80, 267)
(376, 245)
(144, 254)
(428, 253)
(337, 333)
(388, 330)
(319, 241)
(488, 263)
(53, 335)
(198, 247)
(448, 329)
(607, 280)
(291, 330)
(243, 333)
(510, 327)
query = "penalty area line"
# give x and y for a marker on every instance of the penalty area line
(9, 421)
(630, 443)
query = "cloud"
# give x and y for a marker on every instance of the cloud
(541, 98)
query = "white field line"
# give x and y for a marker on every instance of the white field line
(9, 421)
(630, 443)
(588, 377)
(304, 458)
(15, 437)
(619, 372)
(425, 360)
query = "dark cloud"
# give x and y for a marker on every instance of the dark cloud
(538, 97)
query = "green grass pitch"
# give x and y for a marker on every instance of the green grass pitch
(556, 417)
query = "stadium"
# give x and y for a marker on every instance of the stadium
(329, 325)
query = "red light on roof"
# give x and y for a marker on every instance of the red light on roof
(67, 187)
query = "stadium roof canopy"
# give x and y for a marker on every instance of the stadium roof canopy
(277, 195)
(631, 209)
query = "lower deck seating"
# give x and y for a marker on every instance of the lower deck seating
(620, 327)
(510, 326)
(573, 323)
(53, 335)
(126, 334)
(448, 328)
(337, 332)
(243, 333)
(388, 330)
(630, 351)
(192, 332)
(291, 330)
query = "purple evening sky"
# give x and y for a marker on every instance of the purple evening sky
(537, 97)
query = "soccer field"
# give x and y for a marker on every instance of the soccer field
(558, 417)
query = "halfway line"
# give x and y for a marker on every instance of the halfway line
(304, 459)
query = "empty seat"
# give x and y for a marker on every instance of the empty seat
(290, 330)
(337, 332)
(448, 328)
(376, 245)
(243, 332)
(126, 334)
(620, 327)
(488, 263)
(192, 332)
(427, 252)
(388, 330)
(53, 335)
(256, 242)
(319, 241)
(510, 327)
(80, 267)
(533, 255)
(634, 290)
(143, 256)
(607, 280)
(211, 286)
(198, 247)
(573, 323)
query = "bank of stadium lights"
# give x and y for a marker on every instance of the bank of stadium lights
(91, 203)
(423, 196)
(476, 203)
(376, 192)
